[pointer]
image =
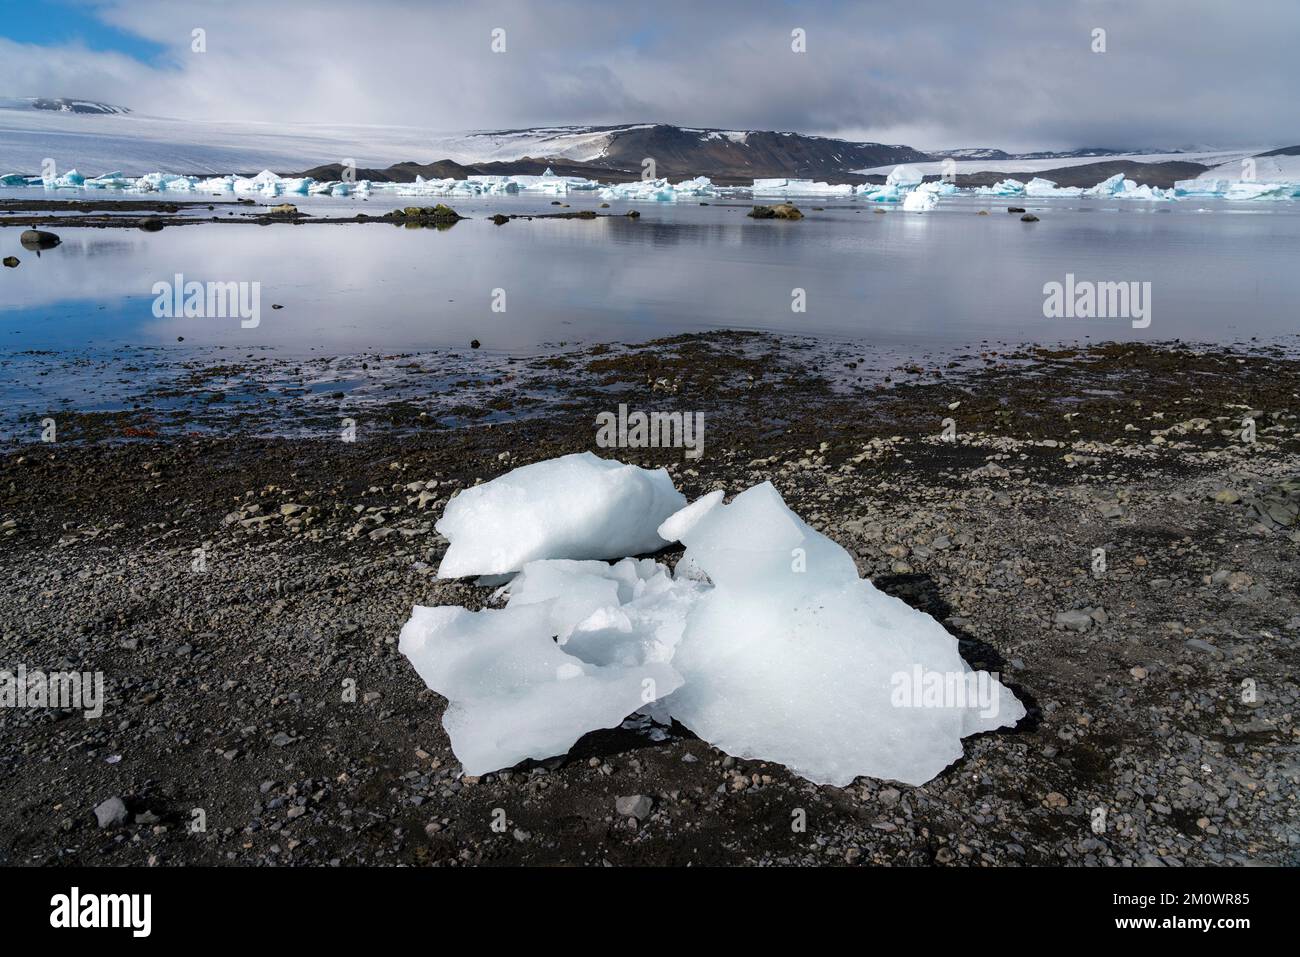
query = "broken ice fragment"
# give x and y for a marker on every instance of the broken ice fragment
(792, 657)
(577, 506)
(513, 693)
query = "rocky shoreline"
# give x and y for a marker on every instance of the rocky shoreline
(242, 598)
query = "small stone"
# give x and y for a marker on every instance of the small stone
(1056, 799)
(1074, 620)
(634, 805)
(111, 812)
(1139, 673)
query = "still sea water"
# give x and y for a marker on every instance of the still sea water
(897, 282)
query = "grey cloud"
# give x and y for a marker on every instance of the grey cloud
(1015, 74)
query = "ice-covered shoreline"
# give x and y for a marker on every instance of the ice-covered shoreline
(904, 186)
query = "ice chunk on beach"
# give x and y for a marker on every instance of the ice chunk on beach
(577, 506)
(792, 657)
(628, 613)
(512, 692)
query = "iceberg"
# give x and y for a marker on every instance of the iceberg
(13, 179)
(1248, 190)
(642, 190)
(164, 182)
(577, 506)
(69, 180)
(922, 199)
(1006, 187)
(880, 194)
(1039, 187)
(904, 176)
(798, 187)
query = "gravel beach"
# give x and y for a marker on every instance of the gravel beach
(1111, 528)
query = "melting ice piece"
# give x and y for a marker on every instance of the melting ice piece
(624, 614)
(791, 657)
(513, 693)
(577, 506)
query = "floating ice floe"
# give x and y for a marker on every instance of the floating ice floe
(660, 190)
(798, 187)
(576, 506)
(69, 180)
(1006, 187)
(764, 641)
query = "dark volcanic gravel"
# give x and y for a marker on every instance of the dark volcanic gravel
(236, 591)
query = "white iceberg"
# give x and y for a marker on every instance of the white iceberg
(69, 180)
(1006, 187)
(576, 506)
(904, 176)
(1039, 187)
(888, 193)
(791, 657)
(798, 187)
(922, 199)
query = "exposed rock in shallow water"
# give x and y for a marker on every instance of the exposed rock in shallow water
(779, 211)
(38, 239)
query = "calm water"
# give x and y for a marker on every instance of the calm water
(899, 281)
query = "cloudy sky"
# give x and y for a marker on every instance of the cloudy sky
(1016, 74)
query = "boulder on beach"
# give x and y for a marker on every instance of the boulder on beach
(11, 262)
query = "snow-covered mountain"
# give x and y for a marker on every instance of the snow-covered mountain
(97, 138)
(61, 104)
